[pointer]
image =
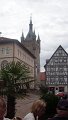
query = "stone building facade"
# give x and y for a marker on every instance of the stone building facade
(33, 45)
(56, 69)
(13, 50)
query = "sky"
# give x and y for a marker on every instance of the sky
(49, 18)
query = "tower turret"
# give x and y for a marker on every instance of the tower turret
(22, 38)
(38, 42)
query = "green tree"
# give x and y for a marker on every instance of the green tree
(43, 90)
(51, 101)
(12, 74)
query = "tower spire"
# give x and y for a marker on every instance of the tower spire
(31, 25)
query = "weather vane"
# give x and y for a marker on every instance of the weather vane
(31, 16)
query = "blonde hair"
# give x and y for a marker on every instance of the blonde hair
(37, 105)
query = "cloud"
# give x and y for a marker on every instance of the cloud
(50, 20)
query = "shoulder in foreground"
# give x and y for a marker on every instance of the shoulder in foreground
(16, 118)
(29, 116)
(6, 119)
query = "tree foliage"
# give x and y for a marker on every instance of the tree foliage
(43, 90)
(13, 73)
(51, 101)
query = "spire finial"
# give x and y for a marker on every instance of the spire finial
(31, 18)
(30, 25)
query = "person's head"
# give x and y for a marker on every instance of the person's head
(38, 107)
(2, 107)
(62, 107)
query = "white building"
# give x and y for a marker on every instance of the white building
(13, 50)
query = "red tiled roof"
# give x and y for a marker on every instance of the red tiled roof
(42, 76)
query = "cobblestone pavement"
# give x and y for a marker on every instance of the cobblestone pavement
(23, 105)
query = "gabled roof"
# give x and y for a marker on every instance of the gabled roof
(54, 53)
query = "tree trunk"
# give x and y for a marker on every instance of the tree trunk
(10, 106)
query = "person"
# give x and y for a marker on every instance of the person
(2, 109)
(37, 110)
(17, 118)
(62, 110)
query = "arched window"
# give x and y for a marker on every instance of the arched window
(4, 63)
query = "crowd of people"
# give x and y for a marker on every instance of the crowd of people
(37, 110)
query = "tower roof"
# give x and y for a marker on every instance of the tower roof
(38, 37)
(30, 25)
(22, 37)
(31, 34)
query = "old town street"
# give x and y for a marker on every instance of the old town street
(23, 105)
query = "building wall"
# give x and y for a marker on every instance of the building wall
(42, 78)
(57, 71)
(24, 57)
(33, 47)
(6, 50)
(14, 52)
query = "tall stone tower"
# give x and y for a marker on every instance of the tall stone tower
(33, 46)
